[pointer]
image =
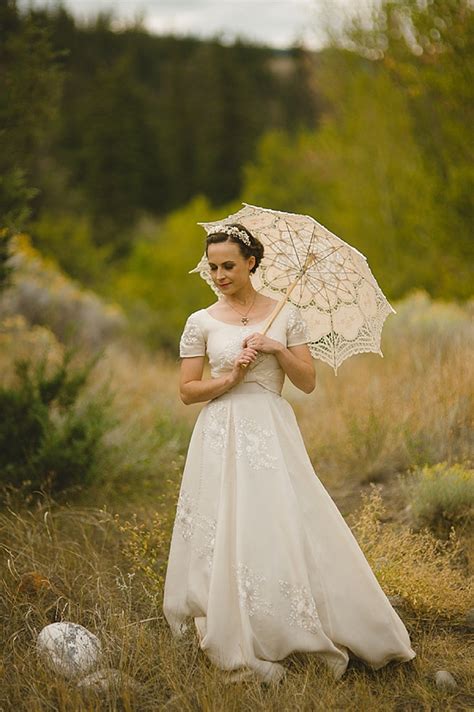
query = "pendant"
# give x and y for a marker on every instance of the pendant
(244, 320)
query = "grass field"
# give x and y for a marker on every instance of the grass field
(391, 440)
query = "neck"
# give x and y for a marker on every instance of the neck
(244, 296)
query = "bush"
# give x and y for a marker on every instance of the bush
(44, 295)
(424, 571)
(48, 439)
(440, 496)
(5, 267)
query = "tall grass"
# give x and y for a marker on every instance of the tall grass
(102, 555)
(381, 416)
(103, 571)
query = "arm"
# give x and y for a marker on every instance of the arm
(194, 389)
(298, 365)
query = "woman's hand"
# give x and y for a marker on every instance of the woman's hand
(262, 343)
(246, 356)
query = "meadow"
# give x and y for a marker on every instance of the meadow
(390, 438)
(115, 143)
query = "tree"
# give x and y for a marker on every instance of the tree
(30, 87)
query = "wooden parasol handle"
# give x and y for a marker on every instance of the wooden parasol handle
(281, 304)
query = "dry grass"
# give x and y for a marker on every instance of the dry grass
(105, 573)
(381, 416)
(103, 556)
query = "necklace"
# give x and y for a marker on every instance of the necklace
(243, 319)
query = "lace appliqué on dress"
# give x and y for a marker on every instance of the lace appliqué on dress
(232, 349)
(192, 341)
(253, 440)
(194, 524)
(303, 612)
(249, 586)
(185, 515)
(215, 426)
(297, 328)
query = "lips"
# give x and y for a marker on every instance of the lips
(224, 285)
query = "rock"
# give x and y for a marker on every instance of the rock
(69, 648)
(444, 680)
(34, 583)
(396, 601)
(470, 618)
(108, 681)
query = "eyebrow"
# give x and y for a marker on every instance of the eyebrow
(225, 262)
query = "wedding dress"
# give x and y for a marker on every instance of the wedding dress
(260, 556)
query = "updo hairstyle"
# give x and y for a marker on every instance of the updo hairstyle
(255, 248)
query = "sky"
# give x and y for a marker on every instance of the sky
(277, 23)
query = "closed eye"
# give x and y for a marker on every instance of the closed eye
(225, 266)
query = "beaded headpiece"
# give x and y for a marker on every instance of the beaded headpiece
(237, 232)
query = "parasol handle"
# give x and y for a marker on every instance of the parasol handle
(282, 302)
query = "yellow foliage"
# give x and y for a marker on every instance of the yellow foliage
(422, 569)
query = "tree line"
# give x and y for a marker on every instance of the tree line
(115, 143)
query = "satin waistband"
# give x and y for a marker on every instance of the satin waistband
(250, 387)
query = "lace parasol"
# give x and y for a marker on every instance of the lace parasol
(327, 279)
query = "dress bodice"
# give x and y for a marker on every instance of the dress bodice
(203, 334)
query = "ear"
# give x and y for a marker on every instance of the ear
(252, 261)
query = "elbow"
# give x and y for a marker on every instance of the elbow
(185, 398)
(310, 386)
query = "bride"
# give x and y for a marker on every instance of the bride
(260, 556)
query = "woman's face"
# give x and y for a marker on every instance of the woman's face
(229, 269)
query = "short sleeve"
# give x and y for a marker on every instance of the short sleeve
(296, 329)
(192, 342)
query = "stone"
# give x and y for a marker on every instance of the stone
(34, 583)
(470, 619)
(444, 680)
(108, 681)
(68, 648)
(396, 601)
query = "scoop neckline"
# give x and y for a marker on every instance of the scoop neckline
(226, 323)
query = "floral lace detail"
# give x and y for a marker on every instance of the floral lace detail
(189, 520)
(249, 586)
(297, 328)
(208, 527)
(303, 612)
(232, 349)
(192, 340)
(185, 515)
(252, 440)
(215, 426)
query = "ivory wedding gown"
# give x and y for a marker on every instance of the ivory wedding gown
(260, 555)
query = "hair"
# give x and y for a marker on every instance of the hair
(255, 248)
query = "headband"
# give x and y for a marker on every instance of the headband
(237, 232)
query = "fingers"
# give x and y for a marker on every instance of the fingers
(249, 338)
(248, 355)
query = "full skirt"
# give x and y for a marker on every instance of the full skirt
(260, 556)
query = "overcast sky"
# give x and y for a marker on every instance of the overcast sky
(278, 23)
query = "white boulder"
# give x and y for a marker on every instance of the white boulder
(444, 680)
(69, 648)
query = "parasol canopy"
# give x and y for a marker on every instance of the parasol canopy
(326, 278)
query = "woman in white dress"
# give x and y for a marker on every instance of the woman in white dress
(260, 556)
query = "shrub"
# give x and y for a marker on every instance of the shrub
(48, 438)
(440, 496)
(46, 296)
(425, 571)
(5, 267)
